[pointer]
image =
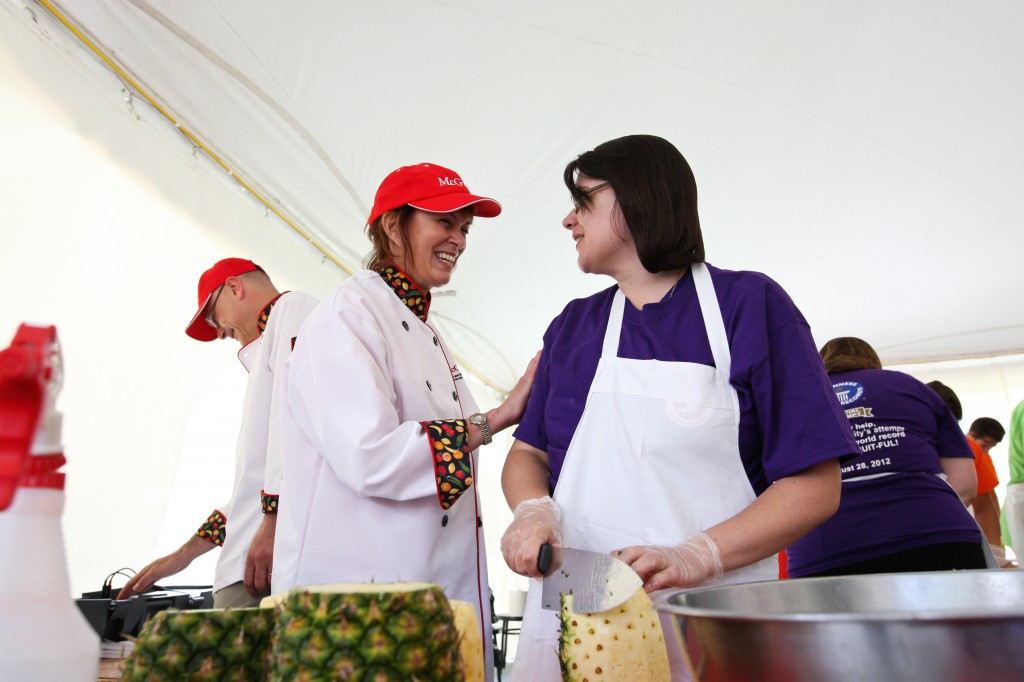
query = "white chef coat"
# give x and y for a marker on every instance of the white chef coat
(360, 498)
(258, 451)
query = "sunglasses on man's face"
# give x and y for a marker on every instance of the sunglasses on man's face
(210, 318)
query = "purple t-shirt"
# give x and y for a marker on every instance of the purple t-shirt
(902, 427)
(789, 417)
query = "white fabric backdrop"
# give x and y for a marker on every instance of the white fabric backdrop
(868, 160)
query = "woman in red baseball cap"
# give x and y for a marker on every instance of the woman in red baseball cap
(380, 428)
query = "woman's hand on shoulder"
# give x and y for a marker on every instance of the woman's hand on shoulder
(511, 411)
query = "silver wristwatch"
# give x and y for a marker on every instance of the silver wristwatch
(485, 428)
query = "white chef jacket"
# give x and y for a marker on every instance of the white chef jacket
(360, 496)
(258, 451)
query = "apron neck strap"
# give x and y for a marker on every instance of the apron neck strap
(713, 322)
(614, 328)
(709, 308)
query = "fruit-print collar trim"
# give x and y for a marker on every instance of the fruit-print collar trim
(407, 290)
(261, 321)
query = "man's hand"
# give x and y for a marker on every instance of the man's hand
(259, 562)
(164, 567)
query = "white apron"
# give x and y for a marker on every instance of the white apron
(655, 459)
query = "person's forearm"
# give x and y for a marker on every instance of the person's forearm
(194, 548)
(166, 566)
(986, 513)
(789, 509)
(525, 474)
(961, 476)
(524, 480)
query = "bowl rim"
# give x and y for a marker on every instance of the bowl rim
(662, 601)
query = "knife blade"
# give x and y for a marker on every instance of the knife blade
(596, 581)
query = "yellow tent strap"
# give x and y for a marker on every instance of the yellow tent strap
(63, 19)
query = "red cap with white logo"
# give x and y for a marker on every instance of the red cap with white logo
(209, 282)
(428, 187)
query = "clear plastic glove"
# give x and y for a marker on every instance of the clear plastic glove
(535, 522)
(999, 553)
(694, 561)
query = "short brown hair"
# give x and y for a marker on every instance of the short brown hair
(381, 254)
(848, 353)
(987, 427)
(656, 192)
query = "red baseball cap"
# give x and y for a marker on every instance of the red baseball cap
(209, 281)
(428, 187)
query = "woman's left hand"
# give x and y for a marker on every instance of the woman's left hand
(511, 411)
(688, 564)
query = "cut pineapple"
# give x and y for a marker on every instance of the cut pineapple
(359, 631)
(471, 646)
(365, 631)
(202, 645)
(625, 643)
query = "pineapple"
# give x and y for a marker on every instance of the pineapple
(365, 631)
(624, 643)
(471, 647)
(201, 645)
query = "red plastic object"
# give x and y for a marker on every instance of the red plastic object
(25, 368)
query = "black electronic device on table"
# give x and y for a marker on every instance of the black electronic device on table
(115, 619)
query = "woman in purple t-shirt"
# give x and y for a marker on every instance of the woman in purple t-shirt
(681, 418)
(897, 514)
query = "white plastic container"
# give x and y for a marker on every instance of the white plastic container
(43, 635)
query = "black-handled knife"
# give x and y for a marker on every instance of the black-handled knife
(544, 558)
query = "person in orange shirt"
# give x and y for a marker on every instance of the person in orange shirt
(983, 435)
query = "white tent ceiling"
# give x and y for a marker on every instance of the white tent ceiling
(867, 156)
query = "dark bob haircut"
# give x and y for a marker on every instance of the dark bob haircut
(848, 353)
(949, 397)
(655, 191)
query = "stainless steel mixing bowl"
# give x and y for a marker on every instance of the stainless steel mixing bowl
(955, 625)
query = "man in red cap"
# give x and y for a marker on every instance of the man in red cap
(237, 300)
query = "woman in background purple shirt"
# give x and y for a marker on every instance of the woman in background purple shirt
(897, 514)
(681, 418)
